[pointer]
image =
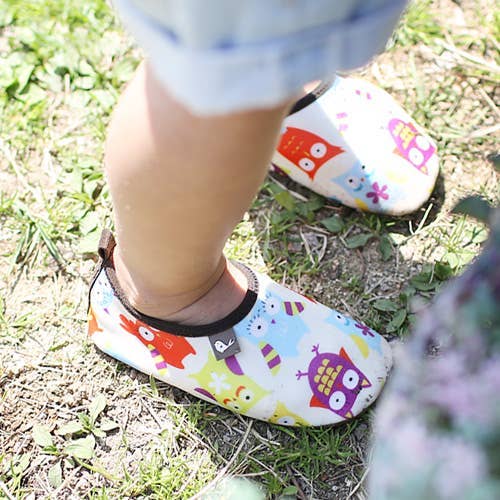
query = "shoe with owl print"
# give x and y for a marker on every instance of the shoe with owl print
(279, 356)
(350, 141)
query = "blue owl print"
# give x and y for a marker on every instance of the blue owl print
(356, 181)
(341, 322)
(103, 293)
(364, 337)
(372, 338)
(276, 327)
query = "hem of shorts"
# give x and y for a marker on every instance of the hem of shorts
(263, 74)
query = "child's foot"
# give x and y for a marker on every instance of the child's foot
(278, 356)
(351, 142)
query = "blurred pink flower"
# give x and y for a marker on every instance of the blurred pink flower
(459, 467)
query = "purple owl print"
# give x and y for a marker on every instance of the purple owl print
(335, 381)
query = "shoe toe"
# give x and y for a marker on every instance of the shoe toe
(321, 367)
(356, 145)
(344, 370)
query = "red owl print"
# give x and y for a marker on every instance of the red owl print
(171, 348)
(306, 150)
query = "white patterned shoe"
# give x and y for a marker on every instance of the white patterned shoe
(278, 357)
(351, 142)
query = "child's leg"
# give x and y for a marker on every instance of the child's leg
(180, 184)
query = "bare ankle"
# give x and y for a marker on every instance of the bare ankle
(196, 306)
(225, 296)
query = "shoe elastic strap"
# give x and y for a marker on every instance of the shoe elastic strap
(310, 97)
(105, 250)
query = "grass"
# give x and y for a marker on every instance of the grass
(62, 67)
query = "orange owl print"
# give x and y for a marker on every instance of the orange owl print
(306, 150)
(164, 347)
(93, 325)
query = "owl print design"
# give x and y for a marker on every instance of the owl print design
(283, 416)
(412, 145)
(275, 328)
(103, 294)
(93, 325)
(226, 384)
(365, 338)
(165, 348)
(356, 181)
(335, 382)
(308, 151)
(357, 184)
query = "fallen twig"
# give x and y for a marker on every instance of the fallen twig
(356, 488)
(224, 470)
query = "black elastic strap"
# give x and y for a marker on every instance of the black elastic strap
(311, 96)
(106, 247)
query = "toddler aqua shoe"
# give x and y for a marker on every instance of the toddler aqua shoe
(279, 357)
(350, 141)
